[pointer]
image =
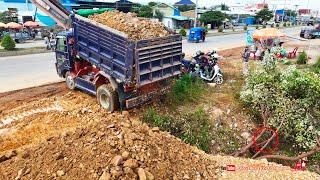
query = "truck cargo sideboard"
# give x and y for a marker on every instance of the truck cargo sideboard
(106, 48)
(141, 62)
(157, 59)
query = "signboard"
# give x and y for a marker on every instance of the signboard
(249, 37)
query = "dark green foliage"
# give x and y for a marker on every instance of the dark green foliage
(277, 25)
(8, 43)
(284, 24)
(302, 58)
(184, 8)
(216, 17)
(264, 26)
(264, 15)
(193, 128)
(196, 129)
(290, 97)
(245, 28)
(145, 11)
(187, 89)
(220, 29)
(257, 26)
(272, 25)
(151, 4)
(159, 15)
(7, 17)
(183, 32)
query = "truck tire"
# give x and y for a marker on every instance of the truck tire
(71, 84)
(107, 97)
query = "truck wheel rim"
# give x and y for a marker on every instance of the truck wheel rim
(70, 82)
(104, 100)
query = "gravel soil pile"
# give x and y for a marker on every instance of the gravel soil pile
(128, 23)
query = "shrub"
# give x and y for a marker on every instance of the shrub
(245, 28)
(316, 66)
(8, 43)
(183, 32)
(272, 25)
(277, 25)
(284, 24)
(193, 128)
(187, 89)
(257, 26)
(264, 26)
(220, 29)
(302, 58)
(289, 97)
(288, 24)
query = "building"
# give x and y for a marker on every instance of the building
(171, 16)
(26, 11)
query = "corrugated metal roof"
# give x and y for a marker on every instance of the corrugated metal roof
(179, 18)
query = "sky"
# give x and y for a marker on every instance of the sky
(313, 4)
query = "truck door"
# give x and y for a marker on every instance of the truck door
(62, 55)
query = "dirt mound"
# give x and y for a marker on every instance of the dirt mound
(117, 147)
(136, 28)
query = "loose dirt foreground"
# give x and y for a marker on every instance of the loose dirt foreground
(52, 133)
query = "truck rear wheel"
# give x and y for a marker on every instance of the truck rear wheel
(107, 97)
(70, 81)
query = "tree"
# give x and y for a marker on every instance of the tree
(159, 15)
(184, 8)
(214, 17)
(291, 13)
(145, 11)
(264, 15)
(224, 7)
(151, 4)
(7, 17)
(8, 43)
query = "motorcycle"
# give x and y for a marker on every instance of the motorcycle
(204, 66)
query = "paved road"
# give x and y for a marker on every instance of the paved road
(19, 72)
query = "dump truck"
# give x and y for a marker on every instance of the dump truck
(104, 62)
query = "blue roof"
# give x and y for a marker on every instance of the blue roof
(185, 2)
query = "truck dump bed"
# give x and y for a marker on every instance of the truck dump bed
(142, 62)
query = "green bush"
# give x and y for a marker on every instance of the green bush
(264, 26)
(220, 29)
(183, 32)
(257, 26)
(272, 25)
(284, 24)
(8, 43)
(277, 25)
(302, 58)
(288, 24)
(187, 89)
(193, 128)
(289, 97)
(245, 28)
(316, 66)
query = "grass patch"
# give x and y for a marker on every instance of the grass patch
(187, 89)
(193, 128)
(23, 51)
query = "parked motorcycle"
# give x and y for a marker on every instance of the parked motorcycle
(204, 66)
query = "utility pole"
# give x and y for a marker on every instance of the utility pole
(196, 14)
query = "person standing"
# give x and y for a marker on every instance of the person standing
(245, 56)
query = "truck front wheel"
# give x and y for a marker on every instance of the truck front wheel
(107, 97)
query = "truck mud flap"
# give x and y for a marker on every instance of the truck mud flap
(140, 100)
